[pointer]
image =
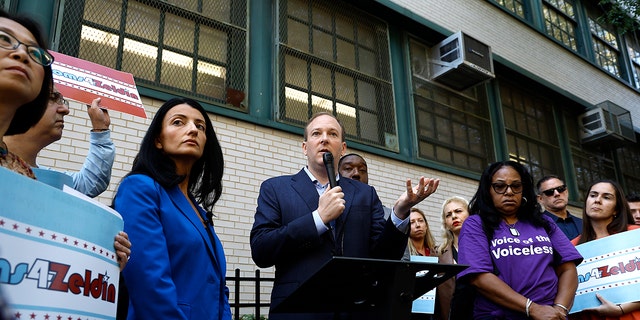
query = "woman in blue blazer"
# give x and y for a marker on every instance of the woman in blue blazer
(177, 268)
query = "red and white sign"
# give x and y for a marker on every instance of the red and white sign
(83, 81)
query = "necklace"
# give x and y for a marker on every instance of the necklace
(512, 229)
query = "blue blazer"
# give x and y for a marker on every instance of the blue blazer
(175, 271)
(284, 233)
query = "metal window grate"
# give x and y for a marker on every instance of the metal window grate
(629, 157)
(589, 164)
(590, 167)
(335, 58)
(453, 128)
(194, 48)
(532, 138)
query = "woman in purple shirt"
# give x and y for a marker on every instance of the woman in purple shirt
(521, 264)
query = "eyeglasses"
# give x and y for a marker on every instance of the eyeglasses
(550, 192)
(501, 187)
(37, 54)
(56, 97)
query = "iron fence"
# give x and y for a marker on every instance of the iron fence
(256, 304)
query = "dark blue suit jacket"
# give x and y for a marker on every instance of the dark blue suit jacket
(284, 232)
(175, 270)
(571, 226)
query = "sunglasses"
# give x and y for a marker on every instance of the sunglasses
(501, 187)
(550, 192)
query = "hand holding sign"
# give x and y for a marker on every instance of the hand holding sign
(99, 116)
(611, 267)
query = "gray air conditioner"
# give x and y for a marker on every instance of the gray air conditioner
(607, 124)
(461, 62)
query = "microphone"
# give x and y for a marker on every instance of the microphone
(327, 158)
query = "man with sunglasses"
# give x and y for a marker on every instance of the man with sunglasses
(554, 197)
(95, 174)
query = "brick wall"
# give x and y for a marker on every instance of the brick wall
(252, 154)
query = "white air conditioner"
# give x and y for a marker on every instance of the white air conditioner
(606, 123)
(461, 62)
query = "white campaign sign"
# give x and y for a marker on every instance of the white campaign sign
(57, 259)
(611, 267)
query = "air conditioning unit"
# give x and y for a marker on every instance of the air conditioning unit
(607, 124)
(461, 62)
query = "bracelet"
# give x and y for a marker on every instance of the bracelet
(620, 306)
(563, 307)
(99, 130)
(526, 309)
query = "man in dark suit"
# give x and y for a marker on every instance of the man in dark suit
(300, 222)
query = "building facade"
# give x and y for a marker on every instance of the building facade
(263, 67)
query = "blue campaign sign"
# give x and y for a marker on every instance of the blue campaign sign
(611, 267)
(57, 258)
(427, 302)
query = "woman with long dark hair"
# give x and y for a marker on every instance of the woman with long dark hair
(606, 212)
(166, 201)
(25, 81)
(521, 264)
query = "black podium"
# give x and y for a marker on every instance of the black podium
(381, 289)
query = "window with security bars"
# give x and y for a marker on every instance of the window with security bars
(192, 48)
(590, 167)
(514, 6)
(532, 139)
(560, 21)
(629, 157)
(453, 128)
(589, 164)
(335, 58)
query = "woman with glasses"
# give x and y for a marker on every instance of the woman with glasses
(520, 263)
(606, 212)
(25, 86)
(95, 174)
(25, 81)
